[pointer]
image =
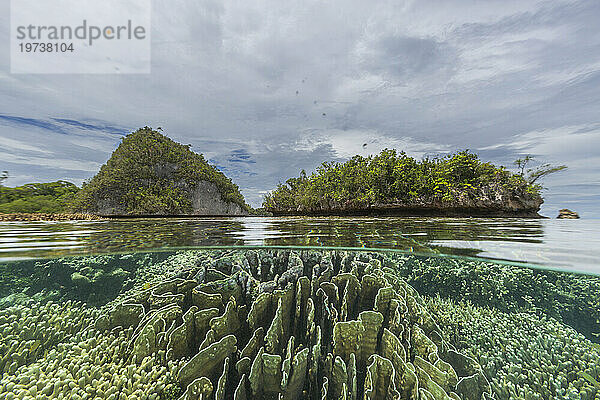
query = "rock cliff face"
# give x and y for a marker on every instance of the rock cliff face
(206, 200)
(149, 174)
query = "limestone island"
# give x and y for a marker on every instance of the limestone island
(151, 175)
(392, 183)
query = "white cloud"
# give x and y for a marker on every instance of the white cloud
(8, 143)
(562, 142)
(347, 143)
(55, 163)
(573, 146)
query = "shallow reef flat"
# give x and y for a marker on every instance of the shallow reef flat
(570, 298)
(290, 324)
(524, 356)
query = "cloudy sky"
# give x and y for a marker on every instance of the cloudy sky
(266, 88)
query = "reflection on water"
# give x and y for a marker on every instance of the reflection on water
(570, 244)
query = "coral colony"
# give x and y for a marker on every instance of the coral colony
(271, 324)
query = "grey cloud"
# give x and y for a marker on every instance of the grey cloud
(257, 76)
(405, 57)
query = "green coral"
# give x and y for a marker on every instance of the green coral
(590, 379)
(570, 298)
(95, 280)
(524, 356)
(172, 391)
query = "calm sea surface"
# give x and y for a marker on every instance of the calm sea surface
(572, 245)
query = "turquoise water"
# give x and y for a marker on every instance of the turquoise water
(566, 244)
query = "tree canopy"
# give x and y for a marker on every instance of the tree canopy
(532, 175)
(149, 173)
(51, 197)
(392, 177)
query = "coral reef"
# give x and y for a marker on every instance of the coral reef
(27, 333)
(523, 355)
(570, 298)
(271, 324)
(61, 356)
(284, 324)
(95, 280)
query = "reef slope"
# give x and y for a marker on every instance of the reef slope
(286, 326)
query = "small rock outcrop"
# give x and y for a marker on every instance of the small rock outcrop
(150, 174)
(565, 213)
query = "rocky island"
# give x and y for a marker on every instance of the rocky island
(151, 175)
(392, 183)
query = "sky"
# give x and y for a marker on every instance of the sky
(266, 88)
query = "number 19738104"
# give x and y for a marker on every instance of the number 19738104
(35, 47)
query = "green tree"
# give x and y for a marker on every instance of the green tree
(392, 177)
(51, 197)
(521, 163)
(532, 175)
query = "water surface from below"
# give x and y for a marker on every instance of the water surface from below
(565, 244)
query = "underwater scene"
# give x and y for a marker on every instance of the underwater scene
(296, 322)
